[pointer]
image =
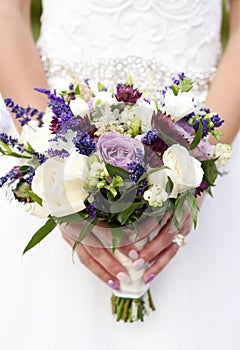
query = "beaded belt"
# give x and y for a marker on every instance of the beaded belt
(149, 74)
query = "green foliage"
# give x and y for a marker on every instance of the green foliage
(36, 10)
(41, 234)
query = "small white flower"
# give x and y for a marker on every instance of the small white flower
(223, 152)
(79, 107)
(178, 106)
(155, 195)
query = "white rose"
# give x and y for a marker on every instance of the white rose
(103, 97)
(223, 152)
(184, 169)
(144, 112)
(178, 106)
(60, 185)
(36, 210)
(79, 107)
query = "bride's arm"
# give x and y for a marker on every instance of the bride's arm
(20, 66)
(224, 96)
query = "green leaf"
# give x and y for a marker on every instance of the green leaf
(197, 138)
(137, 230)
(193, 208)
(41, 234)
(85, 230)
(77, 90)
(124, 215)
(114, 171)
(185, 85)
(35, 198)
(178, 212)
(210, 171)
(76, 217)
(175, 89)
(117, 233)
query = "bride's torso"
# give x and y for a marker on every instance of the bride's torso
(180, 35)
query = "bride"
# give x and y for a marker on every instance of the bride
(47, 302)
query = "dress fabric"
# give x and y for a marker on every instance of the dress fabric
(46, 301)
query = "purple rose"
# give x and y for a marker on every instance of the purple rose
(127, 94)
(119, 150)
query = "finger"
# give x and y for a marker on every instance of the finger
(101, 256)
(97, 269)
(158, 244)
(160, 262)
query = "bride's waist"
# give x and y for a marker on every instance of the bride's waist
(149, 74)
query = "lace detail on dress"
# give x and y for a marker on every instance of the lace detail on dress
(182, 34)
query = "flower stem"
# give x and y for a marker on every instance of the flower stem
(130, 310)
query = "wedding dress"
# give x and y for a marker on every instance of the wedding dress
(46, 301)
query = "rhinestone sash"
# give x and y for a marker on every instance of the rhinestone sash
(148, 74)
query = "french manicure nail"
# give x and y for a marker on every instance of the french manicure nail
(133, 254)
(138, 263)
(149, 278)
(113, 285)
(123, 277)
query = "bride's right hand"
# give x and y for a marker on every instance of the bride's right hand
(98, 257)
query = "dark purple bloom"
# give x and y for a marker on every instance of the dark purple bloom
(201, 188)
(127, 94)
(54, 125)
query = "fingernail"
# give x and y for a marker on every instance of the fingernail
(113, 285)
(123, 277)
(138, 263)
(133, 254)
(150, 278)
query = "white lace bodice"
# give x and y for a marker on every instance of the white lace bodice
(183, 35)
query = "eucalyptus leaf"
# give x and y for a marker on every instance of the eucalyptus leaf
(76, 217)
(117, 233)
(193, 208)
(178, 212)
(41, 234)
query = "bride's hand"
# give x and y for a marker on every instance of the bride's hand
(97, 257)
(161, 249)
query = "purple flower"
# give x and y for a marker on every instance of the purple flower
(127, 94)
(119, 150)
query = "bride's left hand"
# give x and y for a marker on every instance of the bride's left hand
(160, 250)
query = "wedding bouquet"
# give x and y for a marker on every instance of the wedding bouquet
(115, 156)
